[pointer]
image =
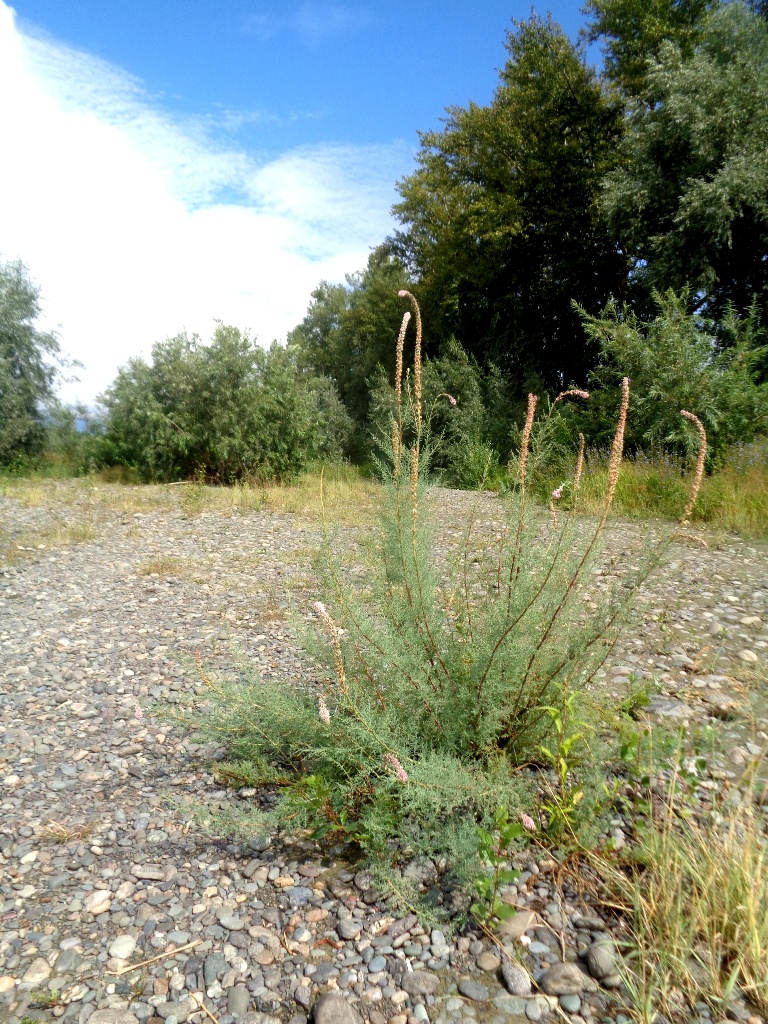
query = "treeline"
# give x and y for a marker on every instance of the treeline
(582, 226)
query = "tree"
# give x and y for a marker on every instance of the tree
(349, 330)
(674, 363)
(689, 201)
(502, 221)
(29, 366)
(228, 409)
(634, 33)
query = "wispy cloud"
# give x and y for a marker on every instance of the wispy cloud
(312, 23)
(137, 224)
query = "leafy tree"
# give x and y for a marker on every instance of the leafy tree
(228, 409)
(502, 222)
(347, 333)
(634, 33)
(674, 363)
(690, 199)
(30, 364)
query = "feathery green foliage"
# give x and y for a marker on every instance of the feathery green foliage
(442, 690)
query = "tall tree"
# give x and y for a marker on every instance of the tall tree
(634, 32)
(349, 330)
(502, 223)
(29, 366)
(689, 201)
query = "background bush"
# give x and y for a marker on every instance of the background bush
(228, 410)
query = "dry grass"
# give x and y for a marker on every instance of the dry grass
(697, 894)
(349, 499)
(16, 546)
(167, 565)
(734, 499)
(57, 832)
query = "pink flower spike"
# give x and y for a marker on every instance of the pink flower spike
(528, 823)
(452, 400)
(402, 293)
(557, 493)
(391, 761)
(138, 714)
(319, 607)
(323, 714)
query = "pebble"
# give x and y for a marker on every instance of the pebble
(516, 978)
(562, 980)
(474, 990)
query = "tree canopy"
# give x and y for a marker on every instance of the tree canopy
(29, 366)
(502, 223)
(689, 200)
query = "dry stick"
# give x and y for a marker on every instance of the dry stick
(160, 956)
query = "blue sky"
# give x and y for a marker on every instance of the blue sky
(179, 162)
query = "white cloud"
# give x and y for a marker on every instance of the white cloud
(312, 23)
(136, 224)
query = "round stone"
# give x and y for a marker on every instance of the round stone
(122, 947)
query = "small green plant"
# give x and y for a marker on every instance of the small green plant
(493, 851)
(43, 1000)
(563, 806)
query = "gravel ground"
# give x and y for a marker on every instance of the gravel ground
(99, 873)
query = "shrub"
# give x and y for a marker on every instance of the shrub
(228, 411)
(679, 358)
(441, 693)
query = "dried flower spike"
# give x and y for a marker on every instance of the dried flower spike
(323, 713)
(579, 464)
(334, 634)
(391, 762)
(405, 294)
(697, 476)
(617, 449)
(532, 400)
(573, 393)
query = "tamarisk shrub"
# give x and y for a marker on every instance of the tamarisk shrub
(436, 686)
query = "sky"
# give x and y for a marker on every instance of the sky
(167, 164)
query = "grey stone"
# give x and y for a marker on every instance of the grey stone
(214, 965)
(378, 963)
(149, 872)
(180, 1010)
(238, 999)
(422, 871)
(420, 983)
(402, 926)
(333, 1008)
(122, 947)
(515, 978)
(473, 990)
(231, 922)
(601, 959)
(67, 961)
(349, 929)
(572, 1004)
(562, 980)
(112, 1017)
(534, 1010)
(512, 1005)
